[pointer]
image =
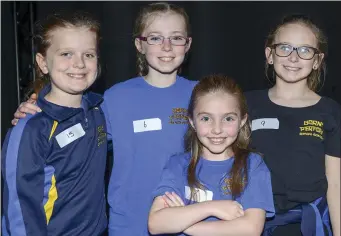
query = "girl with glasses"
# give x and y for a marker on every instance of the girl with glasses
(298, 132)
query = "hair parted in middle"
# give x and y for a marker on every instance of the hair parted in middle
(236, 180)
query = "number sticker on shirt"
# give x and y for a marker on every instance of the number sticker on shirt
(201, 195)
(69, 135)
(265, 123)
(147, 125)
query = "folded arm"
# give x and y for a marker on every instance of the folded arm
(251, 224)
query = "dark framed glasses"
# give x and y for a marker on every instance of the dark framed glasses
(159, 39)
(304, 52)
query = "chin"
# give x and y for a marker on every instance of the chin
(217, 150)
(165, 70)
(292, 80)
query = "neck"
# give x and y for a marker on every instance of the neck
(159, 80)
(290, 91)
(66, 100)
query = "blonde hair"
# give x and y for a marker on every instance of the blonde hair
(314, 78)
(141, 24)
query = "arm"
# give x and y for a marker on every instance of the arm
(178, 217)
(251, 224)
(333, 193)
(23, 171)
(175, 219)
(104, 107)
(257, 201)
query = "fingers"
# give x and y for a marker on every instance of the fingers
(14, 121)
(27, 107)
(239, 210)
(19, 115)
(173, 199)
(178, 199)
(168, 202)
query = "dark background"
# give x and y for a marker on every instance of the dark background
(228, 37)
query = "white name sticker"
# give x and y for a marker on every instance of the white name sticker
(69, 135)
(265, 123)
(147, 125)
(201, 195)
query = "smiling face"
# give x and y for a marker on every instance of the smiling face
(164, 58)
(294, 69)
(71, 60)
(217, 121)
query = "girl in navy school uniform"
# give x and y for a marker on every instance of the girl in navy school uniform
(53, 162)
(218, 186)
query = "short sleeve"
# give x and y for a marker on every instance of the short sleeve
(258, 191)
(333, 131)
(104, 108)
(171, 178)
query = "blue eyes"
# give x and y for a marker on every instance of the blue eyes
(205, 118)
(289, 48)
(69, 54)
(228, 119)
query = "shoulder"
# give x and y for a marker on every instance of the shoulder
(256, 162)
(186, 83)
(255, 97)
(178, 161)
(32, 128)
(121, 87)
(330, 105)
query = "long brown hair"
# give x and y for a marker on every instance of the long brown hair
(142, 21)
(314, 78)
(43, 34)
(238, 175)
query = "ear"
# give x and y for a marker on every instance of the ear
(191, 123)
(318, 60)
(268, 55)
(40, 59)
(188, 45)
(243, 121)
(138, 45)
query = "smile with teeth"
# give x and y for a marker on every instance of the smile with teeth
(166, 59)
(217, 140)
(76, 75)
(292, 68)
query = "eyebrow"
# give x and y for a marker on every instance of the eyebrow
(173, 32)
(207, 113)
(89, 49)
(303, 45)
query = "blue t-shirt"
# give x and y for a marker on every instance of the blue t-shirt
(146, 125)
(212, 174)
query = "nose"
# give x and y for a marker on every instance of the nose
(166, 45)
(293, 57)
(78, 61)
(217, 128)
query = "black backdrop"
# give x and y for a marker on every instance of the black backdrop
(228, 37)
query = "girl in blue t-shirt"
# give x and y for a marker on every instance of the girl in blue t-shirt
(217, 186)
